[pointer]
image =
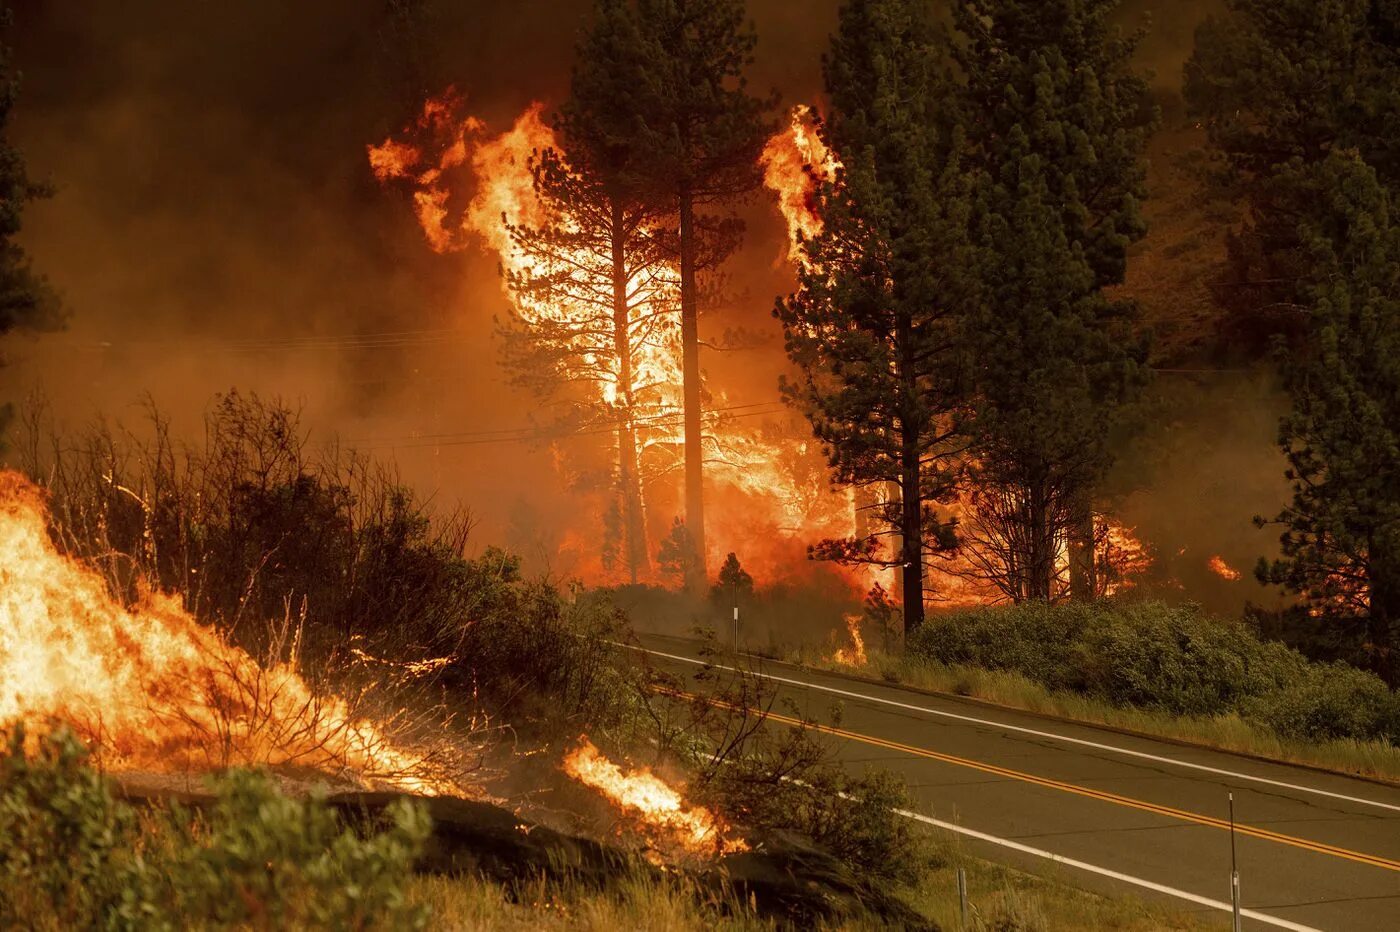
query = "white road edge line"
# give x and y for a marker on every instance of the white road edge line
(1143, 755)
(1105, 872)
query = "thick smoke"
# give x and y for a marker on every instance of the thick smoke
(216, 225)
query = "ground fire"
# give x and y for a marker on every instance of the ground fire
(651, 801)
(853, 656)
(151, 689)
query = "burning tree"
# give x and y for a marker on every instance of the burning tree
(701, 133)
(873, 326)
(595, 292)
(1058, 152)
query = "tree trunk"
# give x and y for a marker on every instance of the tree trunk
(690, 375)
(1083, 578)
(911, 522)
(1040, 569)
(1380, 622)
(633, 509)
(897, 543)
(911, 532)
(628, 473)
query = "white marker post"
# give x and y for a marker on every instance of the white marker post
(962, 898)
(1234, 868)
(734, 590)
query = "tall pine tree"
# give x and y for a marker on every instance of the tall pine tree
(27, 301)
(873, 327)
(1341, 543)
(702, 132)
(600, 280)
(1283, 81)
(1053, 367)
(1301, 98)
(1063, 121)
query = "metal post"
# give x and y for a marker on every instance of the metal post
(734, 592)
(962, 897)
(1234, 868)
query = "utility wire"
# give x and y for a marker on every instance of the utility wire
(535, 434)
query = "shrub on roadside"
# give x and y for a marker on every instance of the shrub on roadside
(1333, 700)
(67, 849)
(771, 778)
(72, 856)
(297, 552)
(1169, 658)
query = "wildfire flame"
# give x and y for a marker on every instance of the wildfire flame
(1225, 571)
(470, 186)
(149, 688)
(653, 801)
(854, 656)
(795, 165)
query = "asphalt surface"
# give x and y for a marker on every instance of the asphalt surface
(1117, 813)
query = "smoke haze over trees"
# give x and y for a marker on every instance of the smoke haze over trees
(228, 150)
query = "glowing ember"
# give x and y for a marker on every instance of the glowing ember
(795, 164)
(1225, 571)
(652, 800)
(150, 688)
(855, 655)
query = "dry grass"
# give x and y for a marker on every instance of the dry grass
(1000, 898)
(634, 902)
(1378, 760)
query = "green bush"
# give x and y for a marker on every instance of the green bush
(261, 859)
(1170, 658)
(550, 664)
(1156, 656)
(67, 849)
(857, 819)
(999, 640)
(786, 780)
(1333, 700)
(71, 856)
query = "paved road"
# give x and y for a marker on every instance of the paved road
(1114, 812)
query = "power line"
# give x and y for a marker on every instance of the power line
(777, 404)
(529, 434)
(378, 340)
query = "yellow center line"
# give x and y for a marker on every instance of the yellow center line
(1316, 846)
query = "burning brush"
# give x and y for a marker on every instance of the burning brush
(653, 802)
(151, 689)
(853, 656)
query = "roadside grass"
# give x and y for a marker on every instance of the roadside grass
(1375, 759)
(1000, 898)
(1004, 898)
(471, 902)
